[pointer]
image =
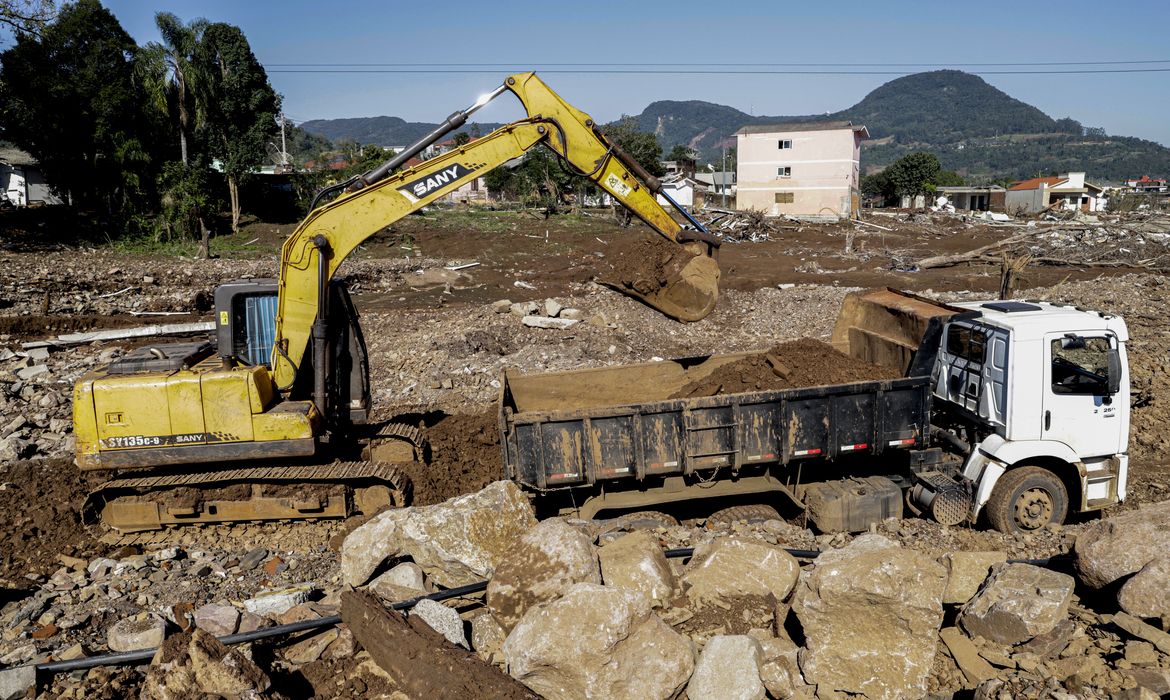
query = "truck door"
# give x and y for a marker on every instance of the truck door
(974, 370)
(1078, 407)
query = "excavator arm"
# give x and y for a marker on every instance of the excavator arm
(311, 255)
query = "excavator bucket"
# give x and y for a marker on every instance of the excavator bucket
(679, 281)
(886, 326)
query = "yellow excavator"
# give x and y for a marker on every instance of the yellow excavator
(271, 421)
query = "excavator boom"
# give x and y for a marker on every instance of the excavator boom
(311, 256)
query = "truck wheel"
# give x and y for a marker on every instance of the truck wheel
(1026, 499)
(754, 512)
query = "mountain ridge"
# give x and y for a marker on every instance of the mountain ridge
(973, 127)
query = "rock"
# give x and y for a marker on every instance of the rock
(253, 559)
(275, 602)
(444, 620)
(542, 565)
(1147, 593)
(871, 612)
(343, 647)
(1050, 643)
(1154, 679)
(728, 669)
(457, 542)
(131, 634)
(28, 373)
(552, 308)
(963, 651)
(572, 314)
(309, 650)
(524, 308)
(598, 642)
(220, 670)
(1017, 603)
(501, 306)
(217, 620)
(486, 635)
(549, 323)
(780, 670)
(636, 562)
(15, 683)
(402, 582)
(732, 567)
(966, 573)
(1135, 693)
(1141, 653)
(1113, 548)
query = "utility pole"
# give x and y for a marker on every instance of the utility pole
(723, 172)
(283, 147)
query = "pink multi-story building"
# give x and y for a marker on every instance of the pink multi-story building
(800, 169)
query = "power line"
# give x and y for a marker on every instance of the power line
(470, 71)
(702, 65)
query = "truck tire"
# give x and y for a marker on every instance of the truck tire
(1026, 499)
(754, 512)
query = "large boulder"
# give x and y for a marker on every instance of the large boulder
(636, 562)
(1113, 548)
(731, 567)
(966, 572)
(402, 582)
(202, 667)
(1147, 593)
(457, 542)
(541, 566)
(780, 670)
(871, 613)
(1017, 603)
(598, 642)
(728, 669)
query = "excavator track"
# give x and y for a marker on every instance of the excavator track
(250, 494)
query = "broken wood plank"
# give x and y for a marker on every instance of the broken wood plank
(866, 223)
(971, 255)
(420, 659)
(122, 334)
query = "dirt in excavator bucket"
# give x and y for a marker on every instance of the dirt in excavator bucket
(678, 280)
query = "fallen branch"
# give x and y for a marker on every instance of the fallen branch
(971, 255)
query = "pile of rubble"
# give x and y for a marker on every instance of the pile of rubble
(35, 388)
(576, 609)
(750, 225)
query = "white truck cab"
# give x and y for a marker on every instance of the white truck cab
(1044, 391)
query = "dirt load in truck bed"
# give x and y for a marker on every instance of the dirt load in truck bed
(800, 363)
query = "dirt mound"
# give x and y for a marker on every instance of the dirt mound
(40, 502)
(800, 363)
(465, 457)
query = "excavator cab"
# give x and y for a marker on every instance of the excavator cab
(245, 312)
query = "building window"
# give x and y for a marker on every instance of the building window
(785, 197)
(784, 171)
(785, 143)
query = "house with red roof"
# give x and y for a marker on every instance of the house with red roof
(1145, 183)
(1067, 192)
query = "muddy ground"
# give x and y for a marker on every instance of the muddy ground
(438, 349)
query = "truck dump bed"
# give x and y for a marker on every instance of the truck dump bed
(583, 427)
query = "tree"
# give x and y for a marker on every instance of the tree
(911, 174)
(170, 74)
(948, 178)
(27, 16)
(641, 145)
(682, 152)
(462, 138)
(240, 106)
(70, 99)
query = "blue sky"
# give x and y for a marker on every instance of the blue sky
(529, 34)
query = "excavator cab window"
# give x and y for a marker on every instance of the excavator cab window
(256, 317)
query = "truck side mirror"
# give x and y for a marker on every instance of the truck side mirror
(1114, 358)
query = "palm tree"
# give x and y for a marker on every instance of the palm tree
(169, 72)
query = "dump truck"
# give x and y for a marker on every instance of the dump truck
(1014, 413)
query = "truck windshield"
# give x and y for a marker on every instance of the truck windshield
(1080, 367)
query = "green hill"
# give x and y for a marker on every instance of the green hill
(973, 127)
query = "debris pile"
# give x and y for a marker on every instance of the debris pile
(748, 226)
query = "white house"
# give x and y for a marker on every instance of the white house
(686, 191)
(21, 181)
(1070, 191)
(800, 169)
